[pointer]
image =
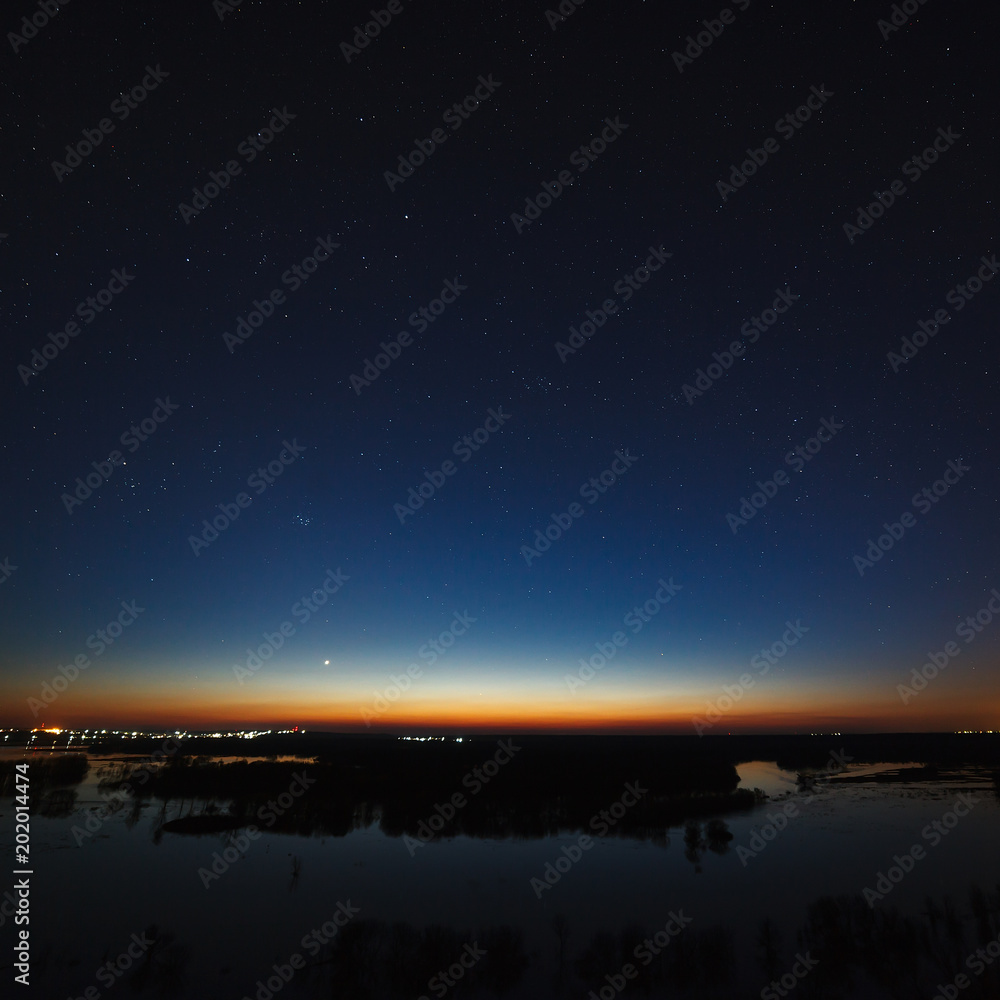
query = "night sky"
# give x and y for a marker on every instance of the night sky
(297, 277)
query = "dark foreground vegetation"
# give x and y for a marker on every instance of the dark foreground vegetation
(851, 952)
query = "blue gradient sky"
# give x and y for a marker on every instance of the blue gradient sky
(333, 507)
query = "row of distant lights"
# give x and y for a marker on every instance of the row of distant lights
(114, 732)
(121, 732)
(425, 739)
(253, 733)
(84, 732)
(281, 732)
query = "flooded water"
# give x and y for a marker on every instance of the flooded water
(98, 890)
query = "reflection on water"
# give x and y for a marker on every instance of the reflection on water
(678, 900)
(767, 776)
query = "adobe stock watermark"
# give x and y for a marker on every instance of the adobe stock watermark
(365, 33)
(601, 823)
(785, 127)
(454, 117)
(268, 814)
(258, 481)
(933, 833)
(6, 570)
(132, 439)
(937, 661)
(320, 936)
(431, 651)
(303, 609)
(704, 39)
(19, 908)
(958, 296)
(97, 817)
(914, 168)
(796, 459)
(47, 9)
(98, 642)
(705, 378)
(121, 107)
(87, 309)
(804, 964)
(582, 158)
(762, 663)
(626, 286)
(444, 981)
(901, 14)
(15, 907)
(591, 491)
(922, 501)
(293, 278)
(977, 962)
(224, 7)
(475, 780)
(643, 953)
(777, 822)
(110, 972)
(313, 942)
(463, 448)
(636, 619)
(566, 9)
(419, 319)
(248, 149)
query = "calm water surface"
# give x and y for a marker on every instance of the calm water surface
(89, 899)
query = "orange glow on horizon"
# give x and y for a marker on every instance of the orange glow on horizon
(280, 701)
(499, 718)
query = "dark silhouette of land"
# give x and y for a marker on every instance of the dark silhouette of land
(790, 752)
(537, 787)
(404, 786)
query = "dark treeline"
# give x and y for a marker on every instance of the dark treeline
(854, 952)
(477, 789)
(939, 749)
(792, 752)
(370, 958)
